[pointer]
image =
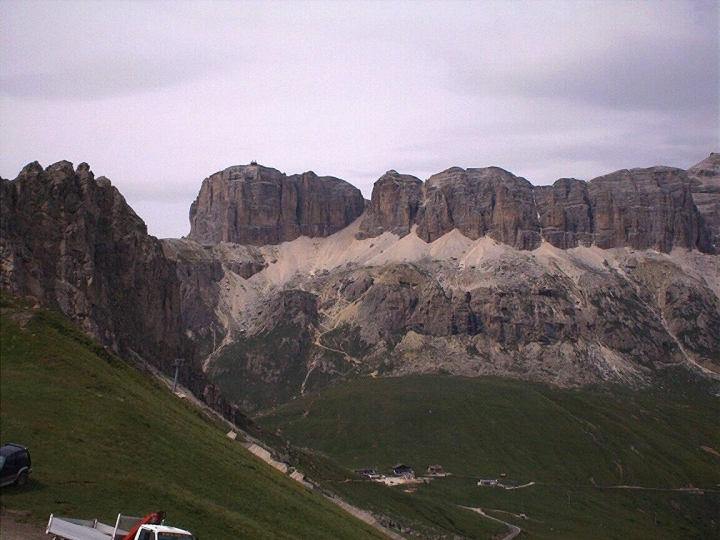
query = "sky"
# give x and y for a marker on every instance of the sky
(158, 95)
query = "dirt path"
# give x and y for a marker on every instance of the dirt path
(14, 530)
(318, 342)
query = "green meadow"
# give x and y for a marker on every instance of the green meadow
(604, 464)
(107, 439)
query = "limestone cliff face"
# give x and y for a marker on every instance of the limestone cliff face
(575, 283)
(480, 202)
(74, 244)
(640, 208)
(393, 205)
(645, 209)
(206, 274)
(705, 186)
(477, 202)
(258, 205)
(566, 213)
(71, 242)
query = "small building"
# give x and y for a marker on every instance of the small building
(488, 482)
(403, 471)
(435, 470)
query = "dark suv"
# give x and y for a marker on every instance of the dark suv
(15, 465)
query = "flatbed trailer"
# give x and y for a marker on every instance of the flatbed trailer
(150, 527)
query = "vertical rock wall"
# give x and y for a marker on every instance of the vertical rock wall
(72, 243)
(257, 205)
(649, 208)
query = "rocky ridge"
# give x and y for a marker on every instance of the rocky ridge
(390, 305)
(639, 208)
(70, 241)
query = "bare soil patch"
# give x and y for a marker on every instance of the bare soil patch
(12, 528)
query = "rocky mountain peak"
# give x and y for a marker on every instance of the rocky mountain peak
(474, 271)
(393, 205)
(72, 243)
(480, 202)
(257, 205)
(75, 245)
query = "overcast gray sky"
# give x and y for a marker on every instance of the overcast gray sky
(159, 95)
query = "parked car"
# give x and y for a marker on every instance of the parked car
(15, 465)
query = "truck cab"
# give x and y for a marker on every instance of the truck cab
(162, 532)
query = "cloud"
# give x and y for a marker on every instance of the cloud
(90, 50)
(622, 55)
(158, 95)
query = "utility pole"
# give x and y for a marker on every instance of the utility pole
(177, 363)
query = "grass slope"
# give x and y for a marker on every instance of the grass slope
(573, 444)
(106, 439)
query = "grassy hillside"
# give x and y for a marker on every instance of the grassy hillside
(106, 439)
(574, 445)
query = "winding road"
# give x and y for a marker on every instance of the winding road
(514, 530)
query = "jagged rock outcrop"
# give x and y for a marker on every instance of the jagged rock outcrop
(393, 205)
(477, 202)
(705, 185)
(71, 242)
(256, 205)
(205, 274)
(74, 244)
(534, 308)
(480, 202)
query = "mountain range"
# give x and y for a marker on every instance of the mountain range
(288, 284)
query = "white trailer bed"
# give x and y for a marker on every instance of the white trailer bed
(82, 529)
